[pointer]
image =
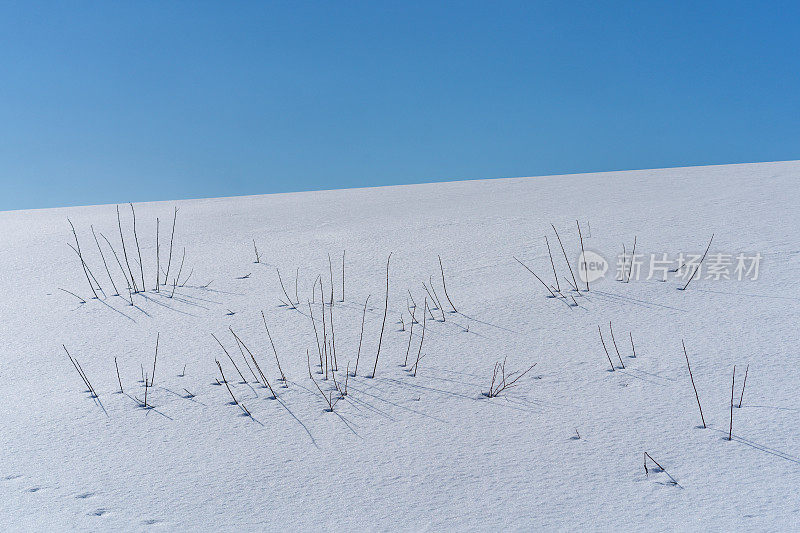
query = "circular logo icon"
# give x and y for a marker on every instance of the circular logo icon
(591, 266)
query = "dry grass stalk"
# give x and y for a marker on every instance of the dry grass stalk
(80, 256)
(264, 379)
(153, 376)
(333, 338)
(79, 369)
(361, 336)
(118, 378)
(646, 471)
(606, 349)
(697, 268)
(87, 269)
(158, 260)
(283, 376)
(438, 301)
(241, 351)
(583, 255)
(615, 344)
(229, 356)
(385, 311)
(691, 377)
(119, 263)
(103, 257)
(552, 263)
(316, 335)
(290, 304)
(419, 352)
(500, 382)
(733, 382)
(537, 277)
(565, 256)
(225, 381)
(125, 252)
(441, 268)
(746, 370)
(72, 293)
(324, 326)
(171, 240)
(296, 278)
(329, 400)
(633, 258)
(138, 249)
(413, 303)
(330, 268)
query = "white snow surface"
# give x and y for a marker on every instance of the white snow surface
(400, 452)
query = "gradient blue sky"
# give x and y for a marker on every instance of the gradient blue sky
(104, 102)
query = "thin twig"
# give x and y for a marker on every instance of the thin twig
(180, 269)
(615, 344)
(328, 399)
(697, 268)
(87, 269)
(746, 370)
(229, 356)
(410, 335)
(72, 293)
(733, 382)
(80, 256)
(438, 301)
(316, 335)
(361, 336)
(330, 267)
(118, 378)
(422, 339)
(333, 338)
(235, 401)
(441, 268)
(139, 250)
(283, 377)
(103, 257)
(296, 278)
(158, 259)
(119, 263)
(606, 349)
(241, 351)
(552, 263)
(537, 277)
(385, 311)
(565, 256)
(648, 456)
(633, 258)
(171, 239)
(189, 276)
(693, 385)
(260, 373)
(291, 304)
(504, 384)
(413, 303)
(125, 252)
(153, 376)
(583, 256)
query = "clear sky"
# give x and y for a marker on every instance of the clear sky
(105, 102)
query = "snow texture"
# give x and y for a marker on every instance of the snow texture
(562, 449)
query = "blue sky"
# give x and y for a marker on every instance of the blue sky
(111, 102)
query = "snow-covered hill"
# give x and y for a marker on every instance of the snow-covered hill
(563, 448)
